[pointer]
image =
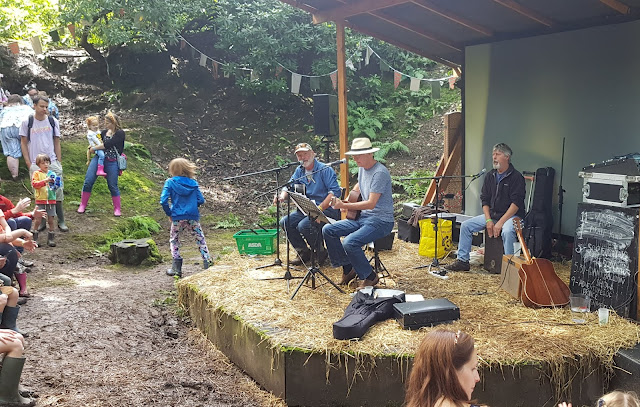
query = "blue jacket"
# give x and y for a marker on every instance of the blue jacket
(185, 198)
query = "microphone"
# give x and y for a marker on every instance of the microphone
(478, 175)
(343, 161)
(293, 164)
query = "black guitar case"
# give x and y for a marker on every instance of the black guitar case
(538, 223)
(362, 313)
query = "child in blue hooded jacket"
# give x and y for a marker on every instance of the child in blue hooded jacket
(185, 196)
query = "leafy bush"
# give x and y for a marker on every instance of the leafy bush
(230, 221)
(135, 227)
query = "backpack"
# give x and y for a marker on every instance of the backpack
(30, 125)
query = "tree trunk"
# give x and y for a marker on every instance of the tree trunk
(93, 52)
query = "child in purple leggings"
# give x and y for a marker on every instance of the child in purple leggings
(180, 199)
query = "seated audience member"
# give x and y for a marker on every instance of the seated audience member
(445, 371)
(12, 347)
(614, 399)
(8, 243)
(17, 219)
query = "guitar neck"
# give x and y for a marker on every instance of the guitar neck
(523, 245)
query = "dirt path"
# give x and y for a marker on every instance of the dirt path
(104, 336)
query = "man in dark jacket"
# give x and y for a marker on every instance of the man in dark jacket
(502, 199)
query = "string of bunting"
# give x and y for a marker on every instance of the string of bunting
(36, 41)
(296, 78)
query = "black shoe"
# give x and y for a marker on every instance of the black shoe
(458, 265)
(303, 257)
(322, 257)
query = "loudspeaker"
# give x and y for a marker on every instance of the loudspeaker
(325, 115)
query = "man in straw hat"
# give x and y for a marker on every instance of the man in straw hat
(320, 184)
(502, 199)
(375, 221)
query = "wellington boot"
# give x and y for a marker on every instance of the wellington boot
(51, 239)
(60, 215)
(207, 263)
(9, 318)
(9, 383)
(116, 205)
(100, 172)
(22, 283)
(84, 201)
(176, 268)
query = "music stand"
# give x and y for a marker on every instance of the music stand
(314, 213)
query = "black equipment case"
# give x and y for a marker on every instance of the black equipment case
(414, 315)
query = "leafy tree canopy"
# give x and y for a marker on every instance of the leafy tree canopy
(21, 19)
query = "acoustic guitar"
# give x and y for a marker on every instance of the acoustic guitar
(541, 286)
(354, 196)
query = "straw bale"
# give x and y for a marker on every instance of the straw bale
(506, 332)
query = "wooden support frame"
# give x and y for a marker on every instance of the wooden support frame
(527, 12)
(428, 5)
(617, 5)
(446, 168)
(342, 103)
(403, 25)
(351, 9)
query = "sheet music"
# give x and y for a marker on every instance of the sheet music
(305, 206)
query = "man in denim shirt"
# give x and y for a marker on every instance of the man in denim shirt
(321, 184)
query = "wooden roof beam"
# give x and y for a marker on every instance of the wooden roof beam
(428, 5)
(301, 6)
(417, 30)
(618, 6)
(351, 9)
(363, 30)
(527, 12)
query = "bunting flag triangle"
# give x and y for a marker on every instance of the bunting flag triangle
(334, 79)
(314, 83)
(296, 78)
(397, 77)
(14, 47)
(36, 44)
(415, 85)
(278, 70)
(215, 70)
(452, 82)
(435, 90)
(226, 73)
(367, 55)
(203, 60)
(55, 36)
(384, 67)
(183, 44)
(193, 53)
(72, 30)
(349, 64)
(253, 76)
(121, 12)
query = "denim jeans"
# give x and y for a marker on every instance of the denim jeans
(476, 224)
(358, 233)
(297, 226)
(21, 222)
(110, 167)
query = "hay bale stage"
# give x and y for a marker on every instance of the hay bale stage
(509, 337)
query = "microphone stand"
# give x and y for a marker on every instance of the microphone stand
(277, 261)
(436, 262)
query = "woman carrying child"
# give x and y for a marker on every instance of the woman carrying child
(185, 196)
(112, 145)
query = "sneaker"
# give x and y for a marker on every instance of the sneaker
(458, 265)
(24, 262)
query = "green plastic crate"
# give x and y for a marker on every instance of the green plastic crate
(256, 241)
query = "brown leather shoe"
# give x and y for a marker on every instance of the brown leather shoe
(346, 278)
(368, 283)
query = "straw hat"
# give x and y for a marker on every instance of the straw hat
(361, 145)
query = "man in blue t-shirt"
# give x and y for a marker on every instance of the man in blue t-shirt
(375, 220)
(321, 184)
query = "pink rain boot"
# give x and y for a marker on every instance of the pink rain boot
(22, 282)
(116, 205)
(100, 171)
(84, 200)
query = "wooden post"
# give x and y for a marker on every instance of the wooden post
(342, 103)
(638, 277)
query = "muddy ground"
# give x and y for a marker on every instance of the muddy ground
(103, 335)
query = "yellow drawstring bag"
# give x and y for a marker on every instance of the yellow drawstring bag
(428, 238)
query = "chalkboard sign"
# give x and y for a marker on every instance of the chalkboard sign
(605, 257)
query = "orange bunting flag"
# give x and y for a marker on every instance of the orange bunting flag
(72, 30)
(183, 44)
(334, 80)
(215, 70)
(278, 70)
(452, 83)
(121, 12)
(14, 47)
(397, 77)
